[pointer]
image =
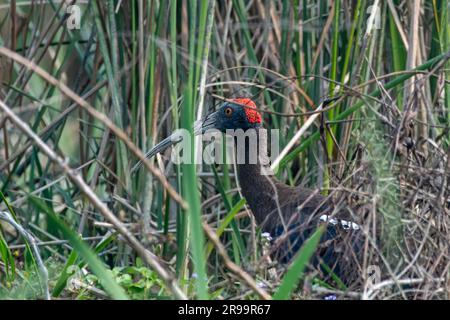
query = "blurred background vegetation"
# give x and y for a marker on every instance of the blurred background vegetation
(151, 67)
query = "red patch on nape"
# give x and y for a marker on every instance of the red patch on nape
(252, 114)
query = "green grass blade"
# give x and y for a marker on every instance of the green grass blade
(62, 280)
(225, 222)
(238, 242)
(73, 257)
(84, 251)
(295, 271)
(375, 93)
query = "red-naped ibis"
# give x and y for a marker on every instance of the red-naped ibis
(289, 213)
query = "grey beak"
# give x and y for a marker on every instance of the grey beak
(159, 147)
(200, 127)
(209, 122)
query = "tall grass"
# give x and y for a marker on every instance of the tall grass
(383, 148)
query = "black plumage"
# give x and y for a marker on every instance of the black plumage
(289, 214)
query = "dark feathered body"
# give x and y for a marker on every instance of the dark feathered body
(296, 212)
(289, 214)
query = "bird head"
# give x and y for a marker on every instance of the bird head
(239, 113)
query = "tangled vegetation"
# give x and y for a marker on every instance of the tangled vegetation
(86, 87)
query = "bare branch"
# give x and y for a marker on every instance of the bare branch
(76, 178)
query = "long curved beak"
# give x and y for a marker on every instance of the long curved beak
(174, 138)
(200, 127)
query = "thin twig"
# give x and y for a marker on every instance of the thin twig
(244, 276)
(43, 273)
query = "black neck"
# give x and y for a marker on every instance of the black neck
(256, 180)
(269, 199)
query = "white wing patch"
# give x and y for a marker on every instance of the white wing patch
(267, 236)
(346, 225)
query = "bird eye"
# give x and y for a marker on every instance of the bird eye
(228, 112)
